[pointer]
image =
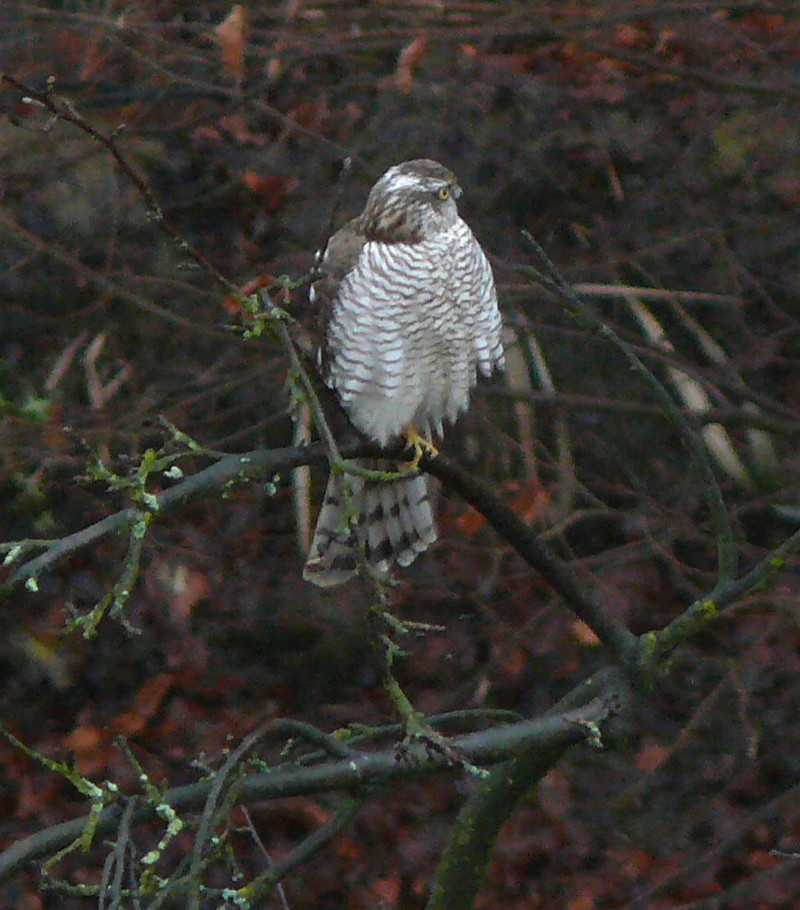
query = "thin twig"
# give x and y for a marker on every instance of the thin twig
(773, 809)
(234, 468)
(464, 863)
(248, 820)
(63, 109)
(254, 893)
(116, 290)
(564, 401)
(727, 553)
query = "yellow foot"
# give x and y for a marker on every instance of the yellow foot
(420, 445)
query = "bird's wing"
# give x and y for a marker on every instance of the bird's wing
(338, 258)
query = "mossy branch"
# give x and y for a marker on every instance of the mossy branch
(465, 861)
(358, 773)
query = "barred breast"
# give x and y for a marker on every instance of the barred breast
(411, 327)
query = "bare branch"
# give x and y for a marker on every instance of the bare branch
(352, 774)
(620, 642)
(727, 552)
(248, 466)
(63, 110)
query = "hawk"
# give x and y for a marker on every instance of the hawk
(410, 318)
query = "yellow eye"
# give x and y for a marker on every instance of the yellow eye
(444, 194)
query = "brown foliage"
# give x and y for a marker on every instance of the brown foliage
(654, 146)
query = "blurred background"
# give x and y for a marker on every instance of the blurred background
(651, 148)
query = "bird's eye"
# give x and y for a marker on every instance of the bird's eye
(443, 194)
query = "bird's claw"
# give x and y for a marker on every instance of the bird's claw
(420, 447)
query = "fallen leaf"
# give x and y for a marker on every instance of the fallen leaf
(555, 794)
(89, 747)
(531, 501)
(233, 303)
(310, 114)
(387, 891)
(763, 859)
(270, 191)
(409, 58)
(204, 136)
(185, 588)
(582, 902)
(83, 740)
(147, 701)
(350, 850)
(470, 523)
(231, 34)
(584, 634)
(651, 757)
(629, 35)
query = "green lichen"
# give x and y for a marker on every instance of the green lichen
(650, 642)
(708, 609)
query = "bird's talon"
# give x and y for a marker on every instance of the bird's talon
(420, 447)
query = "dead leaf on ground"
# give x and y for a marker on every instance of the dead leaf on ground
(232, 34)
(89, 747)
(410, 56)
(146, 703)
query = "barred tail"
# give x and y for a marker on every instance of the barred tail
(372, 521)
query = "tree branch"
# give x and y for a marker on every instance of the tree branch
(62, 109)
(621, 643)
(233, 468)
(463, 866)
(352, 774)
(264, 463)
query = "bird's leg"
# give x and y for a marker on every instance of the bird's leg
(419, 445)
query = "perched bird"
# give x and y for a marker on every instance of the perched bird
(409, 309)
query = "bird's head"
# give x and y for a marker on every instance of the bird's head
(412, 201)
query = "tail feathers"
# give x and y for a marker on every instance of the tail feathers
(376, 522)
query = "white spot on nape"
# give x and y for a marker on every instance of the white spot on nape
(396, 180)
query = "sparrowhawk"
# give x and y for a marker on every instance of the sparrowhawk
(410, 318)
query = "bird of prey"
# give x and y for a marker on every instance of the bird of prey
(409, 309)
